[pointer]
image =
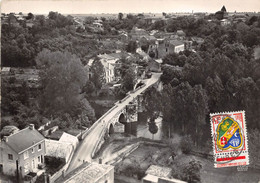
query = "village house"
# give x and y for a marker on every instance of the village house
(137, 33)
(225, 22)
(158, 174)
(90, 172)
(23, 151)
(59, 149)
(109, 65)
(168, 46)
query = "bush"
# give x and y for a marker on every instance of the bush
(53, 164)
(191, 172)
(186, 144)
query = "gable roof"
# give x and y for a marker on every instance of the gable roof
(176, 42)
(158, 171)
(87, 173)
(24, 139)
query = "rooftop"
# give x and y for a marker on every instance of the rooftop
(158, 171)
(58, 149)
(87, 173)
(55, 135)
(24, 139)
(176, 42)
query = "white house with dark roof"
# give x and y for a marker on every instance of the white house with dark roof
(168, 46)
(25, 148)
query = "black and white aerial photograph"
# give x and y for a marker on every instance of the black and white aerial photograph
(130, 91)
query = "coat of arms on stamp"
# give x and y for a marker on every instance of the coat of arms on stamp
(229, 137)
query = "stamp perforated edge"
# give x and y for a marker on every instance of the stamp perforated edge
(245, 132)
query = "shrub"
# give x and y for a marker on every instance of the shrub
(191, 172)
(53, 164)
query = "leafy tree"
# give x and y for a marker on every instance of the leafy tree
(152, 102)
(131, 47)
(153, 128)
(89, 20)
(128, 80)
(120, 16)
(89, 87)
(30, 16)
(63, 79)
(98, 78)
(215, 91)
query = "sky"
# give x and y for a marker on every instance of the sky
(126, 6)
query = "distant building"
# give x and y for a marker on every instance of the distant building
(168, 46)
(180, 33)
(222, 14)
(21, 75)
(137, 33)
(108, 63)
(29, 23)
(97, 25)
(90, 173)
(25, 148)
(158, 174)
(225, 22)
(5, 70)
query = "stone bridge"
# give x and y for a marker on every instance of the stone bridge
(118, 118)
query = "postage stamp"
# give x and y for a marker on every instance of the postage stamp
(229, 137)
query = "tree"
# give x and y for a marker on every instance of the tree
(152, 102)
(63, 78)
(153, 128)
(120, 16)
(30, 16)
(98, 71)
(128, 80)
(131, 47)
(215, 89)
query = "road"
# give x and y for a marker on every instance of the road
(88, 144)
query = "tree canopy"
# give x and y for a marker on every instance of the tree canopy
(63, 78)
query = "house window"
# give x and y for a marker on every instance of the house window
(26, 167)
(10, 157)
(33, 163)
(25, 155)
(32, 150)
(39, 147)
(166, 50)
(39, 159)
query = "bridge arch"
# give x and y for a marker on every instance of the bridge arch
(138, 84)
(122, 118)
(111, 129)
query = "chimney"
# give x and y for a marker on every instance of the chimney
(5, 138)
(31, 126)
